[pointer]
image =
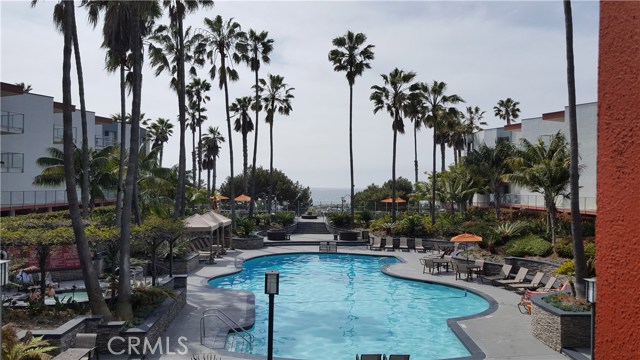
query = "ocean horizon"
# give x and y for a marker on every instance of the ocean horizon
(330, 195)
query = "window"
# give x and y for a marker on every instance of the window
(58, 131)
(12, 123)
(12, 162)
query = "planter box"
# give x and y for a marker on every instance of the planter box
(277, 235)
(348, 235)
(557, 328)
(309, 216)
(248, 243)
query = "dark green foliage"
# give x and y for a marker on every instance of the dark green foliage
(365, 217)
(566, 302)
(411, 225)
(565, 249)
(373, 194)
(145, 299)
(530, 245)
(285, 218)
(245, 226)
(340, 219)
(588, 227)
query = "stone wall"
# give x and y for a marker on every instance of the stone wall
(248, 244)
(180, 266)
(548, 268)
(557, 328)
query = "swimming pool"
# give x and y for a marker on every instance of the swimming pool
(333, 306)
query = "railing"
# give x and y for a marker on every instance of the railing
(587, 204)
(102, 142)
(12, 123)
(232, 325)
(11, 162)
(11, 200)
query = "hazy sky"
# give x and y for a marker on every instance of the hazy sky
(484, 51)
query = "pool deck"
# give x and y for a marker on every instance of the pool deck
(502, 334)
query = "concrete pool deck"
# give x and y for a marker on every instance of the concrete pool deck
(503, 334)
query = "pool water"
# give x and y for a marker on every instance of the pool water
(65, 296)
(333, 306)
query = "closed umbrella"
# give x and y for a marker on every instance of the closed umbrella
(466, 238)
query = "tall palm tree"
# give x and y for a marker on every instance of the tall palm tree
(212, 143)
(66, 17)
(457, 135)
(543, 169)
(258, 50)
(197, 97)
(576, 225)
(25, 87)
(225, 42)
(416, 111)
(352, 56)
(393, 96)
(244, 126)
(276, 97)
(438, 103)
(159, 133)
(507, 110)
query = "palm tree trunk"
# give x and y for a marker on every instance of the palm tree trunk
(255, 144)
(123, 307)
(161, 153)
(94, 292)
(351, 151)
(270, 166)
(576, 224)
(209, 182)
(393, 177)
(123, 149)
(232, 191)
(178, 209)
(245, 156)
(193, 155)
(433, 175)
(455, 157)
(199, 148)
(442, 156)
(215, 175)
(415, 149)
(83, 116)
(497, 193)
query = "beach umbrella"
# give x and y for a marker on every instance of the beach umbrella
(219, 197)
(243, 198)
(390, 200)
(465, 239)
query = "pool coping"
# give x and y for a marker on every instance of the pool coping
(475, 351)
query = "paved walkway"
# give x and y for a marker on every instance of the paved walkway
(503, 334)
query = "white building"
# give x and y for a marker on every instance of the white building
(31, 123)
(546, 126)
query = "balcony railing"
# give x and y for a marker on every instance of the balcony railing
(15, 200)
(12, 123)
(104, 141)
(11, 162)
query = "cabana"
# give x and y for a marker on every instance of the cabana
(223, 223)
(199, 223)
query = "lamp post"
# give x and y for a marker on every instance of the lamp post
(591, 297)
(271, 287)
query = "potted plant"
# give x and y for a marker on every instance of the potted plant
(245, 237)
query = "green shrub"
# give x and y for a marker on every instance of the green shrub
(529, 245)
(285, 218)
(365, 216)
(245, 226)
(588, 227)
(340, 219)
(411, 225)
(477, 227)
(376, 225)
(564, 249)
(566, 302)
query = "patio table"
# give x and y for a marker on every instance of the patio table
(440, 262)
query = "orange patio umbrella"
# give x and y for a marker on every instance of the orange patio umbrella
(243, 198)
(390, 200)
(466, 238)
(219, 197)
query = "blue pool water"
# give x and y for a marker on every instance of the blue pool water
(333, 306)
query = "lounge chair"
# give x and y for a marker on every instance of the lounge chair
(404, 245)
(398, 357)
(333, 246)
(87, 341)
(324, 246)
(370, 357)
(388, 243)
(418, 245)
(525, 302)
(520, 276)
(377, 243)
(427, 263)
(504, 274)
(549, 285)
(535, 282)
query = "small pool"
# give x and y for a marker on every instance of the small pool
(333, 306)
(65, 296)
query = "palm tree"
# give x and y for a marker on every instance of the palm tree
(212, 143)
(276, 97)
(393, 97)
(25, 87)
(196, 94)
(544, 169)
(244, 126)
(416, 111)
(438, 103)
(507, 110)
(259, 48)
(351, 57)
(159, 133)
(226, 41)
(457, 135)
(576, 225)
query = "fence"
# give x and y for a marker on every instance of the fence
(19, 200)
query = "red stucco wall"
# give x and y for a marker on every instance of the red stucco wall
(618, 223)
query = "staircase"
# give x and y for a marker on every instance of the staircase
(311, 227)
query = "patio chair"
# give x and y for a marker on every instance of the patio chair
(370, 357)
(461, 269)
(404, 245)
(504, 274)
(520, 276)
(427, 263)
(398, 357)
(333, 246)
(377, 243)
(480, 267)
(535, 282)
(87, 341)
(388, 243)
(418, 245)
(324, 246)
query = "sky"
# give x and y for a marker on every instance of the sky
(484, 51)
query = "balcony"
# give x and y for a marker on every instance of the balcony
(12, 123)
(104, 141)
(11, 162)
(58, 131)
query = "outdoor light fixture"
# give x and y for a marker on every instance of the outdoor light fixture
(271, 287)
(591, 297)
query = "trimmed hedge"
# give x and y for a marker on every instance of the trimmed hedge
(530, 245)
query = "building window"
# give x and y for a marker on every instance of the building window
(58, 131)
(12, 162)
(12, 123)
(546, 139)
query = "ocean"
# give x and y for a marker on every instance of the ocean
(330, 195)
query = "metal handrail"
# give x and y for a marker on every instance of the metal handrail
(238, 261)
(234, 326)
